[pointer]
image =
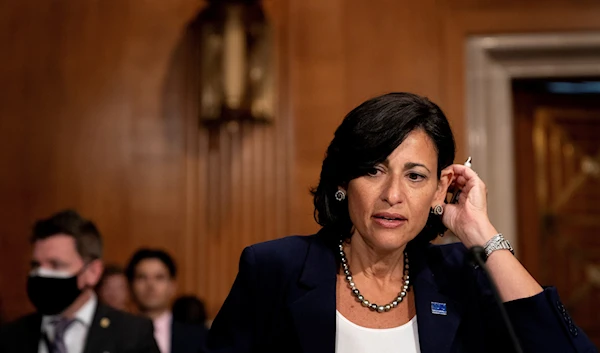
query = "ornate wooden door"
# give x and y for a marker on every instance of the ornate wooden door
(558, 194)
(567, 162)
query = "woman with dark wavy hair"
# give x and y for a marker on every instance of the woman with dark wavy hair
(370, 281)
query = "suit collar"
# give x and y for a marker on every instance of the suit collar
(313, 308)
(320, 258)
(86, 313)
(432, 285)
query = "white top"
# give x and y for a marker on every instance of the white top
(76, 333)
(351, 338)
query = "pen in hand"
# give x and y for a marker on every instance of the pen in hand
(456, 194)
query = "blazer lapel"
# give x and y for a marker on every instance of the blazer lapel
(99, 338)
(313, 309)
(438, 314)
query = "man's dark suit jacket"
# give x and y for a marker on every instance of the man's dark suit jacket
(284, 300)
(112, 331)
(187, 338)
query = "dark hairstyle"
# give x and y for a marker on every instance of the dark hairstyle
(189, 310)
(366, 137)
(110, 270)
(88, 240)
(145, 254)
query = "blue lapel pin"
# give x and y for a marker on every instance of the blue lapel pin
(438, 308)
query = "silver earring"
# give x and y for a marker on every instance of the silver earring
(438, 210)
(340, 195)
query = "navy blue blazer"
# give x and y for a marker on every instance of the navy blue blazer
(284, 300)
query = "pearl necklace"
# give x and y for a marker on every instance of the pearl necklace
(365, 302)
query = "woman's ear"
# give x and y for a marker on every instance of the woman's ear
(446, 177)
(343, 186)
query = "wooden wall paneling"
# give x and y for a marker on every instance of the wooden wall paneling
(13, 194)
(494, 5)
(318, 83)
(236, 180)
(41, 94)
(236, 237)
(157, 133)
(179, 87)
(80, 90)
(247, 203)
(283, 139)
(95, 115)
(195, 221)
(391, 46)
(14, 244)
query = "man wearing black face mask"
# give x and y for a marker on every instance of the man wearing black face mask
(66, 266)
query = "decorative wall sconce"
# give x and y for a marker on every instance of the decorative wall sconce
(236, 69)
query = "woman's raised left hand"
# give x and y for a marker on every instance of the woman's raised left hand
(468, 219)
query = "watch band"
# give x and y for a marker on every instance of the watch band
(498, 242)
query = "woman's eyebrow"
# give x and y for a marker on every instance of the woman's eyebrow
(410, 165)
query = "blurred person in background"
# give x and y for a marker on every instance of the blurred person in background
(113, 289)
(152, 279)
(189, 310)
(66, 265)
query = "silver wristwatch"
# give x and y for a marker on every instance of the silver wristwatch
(497, 243)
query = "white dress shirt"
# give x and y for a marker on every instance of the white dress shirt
(76, 334)
(162, 331)
(351, 338)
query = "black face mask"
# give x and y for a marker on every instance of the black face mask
(52, 295)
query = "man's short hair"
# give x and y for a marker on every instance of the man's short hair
(88, 240)
(145, 254)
